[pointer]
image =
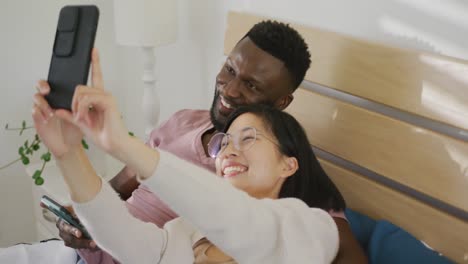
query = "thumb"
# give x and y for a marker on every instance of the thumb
(68, 117)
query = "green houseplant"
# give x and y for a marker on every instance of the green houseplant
(29, 148)
(32, 146)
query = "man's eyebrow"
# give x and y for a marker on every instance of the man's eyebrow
(250, 78)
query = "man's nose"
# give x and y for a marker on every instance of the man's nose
(232, 89)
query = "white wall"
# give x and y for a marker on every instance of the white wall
(28, 29)
(186, 69)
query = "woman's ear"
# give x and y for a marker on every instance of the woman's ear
(290, 167)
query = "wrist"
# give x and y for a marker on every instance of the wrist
(79, 175)
(121, 148)
(70, 155)
(138, 156)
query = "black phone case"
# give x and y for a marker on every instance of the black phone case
(71, 54)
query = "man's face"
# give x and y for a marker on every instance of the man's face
(249, 76)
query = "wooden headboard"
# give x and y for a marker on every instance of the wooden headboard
(390, 127)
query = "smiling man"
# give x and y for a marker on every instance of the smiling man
(266, 66)
(251, 76)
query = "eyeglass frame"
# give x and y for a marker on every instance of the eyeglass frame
(236, 145)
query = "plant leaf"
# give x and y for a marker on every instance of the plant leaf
(24, 124)
(37, 174)
(25, 160)
(85, 145)
(46, 157)
(39, 181)
(21, 151)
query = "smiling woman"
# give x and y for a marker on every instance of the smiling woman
(269, 194)
(283, 162)
(253, 163)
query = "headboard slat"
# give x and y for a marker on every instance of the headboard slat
(418, 158)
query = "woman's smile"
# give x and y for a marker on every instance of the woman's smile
(231, 169)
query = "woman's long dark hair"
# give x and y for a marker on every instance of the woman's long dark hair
(310, 183)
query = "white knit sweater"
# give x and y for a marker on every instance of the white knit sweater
(249, 230)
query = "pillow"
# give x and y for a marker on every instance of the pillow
(386, 243)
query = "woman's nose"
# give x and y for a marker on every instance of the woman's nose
(229, 150)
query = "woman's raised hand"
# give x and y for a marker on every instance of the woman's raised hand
(95, 112)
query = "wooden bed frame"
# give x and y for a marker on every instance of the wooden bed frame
(390, 127)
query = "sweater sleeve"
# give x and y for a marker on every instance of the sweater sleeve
(249, 230)
(126, 238)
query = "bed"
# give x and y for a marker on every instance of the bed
(390, 127)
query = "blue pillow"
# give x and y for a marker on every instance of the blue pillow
(386, 243)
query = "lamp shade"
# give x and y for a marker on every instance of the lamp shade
(145, 22)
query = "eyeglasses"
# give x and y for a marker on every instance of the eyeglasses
(242, 141)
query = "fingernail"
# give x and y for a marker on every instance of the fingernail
(51, 113)
(92, 244)
(77, 233)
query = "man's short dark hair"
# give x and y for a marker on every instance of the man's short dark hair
(284, 43)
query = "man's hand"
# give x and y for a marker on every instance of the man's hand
(72, 237)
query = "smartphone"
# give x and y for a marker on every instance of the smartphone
(63, 213)
(71, 53)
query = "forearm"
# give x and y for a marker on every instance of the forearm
(138, 156)
(124, 183)
(349, 251)
(203, 198)
(126, 238)
(82, 181)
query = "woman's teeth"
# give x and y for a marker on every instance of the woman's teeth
(232, 169)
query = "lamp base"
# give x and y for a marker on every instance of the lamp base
(150, 100)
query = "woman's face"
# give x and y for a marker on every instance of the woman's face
(261, 169)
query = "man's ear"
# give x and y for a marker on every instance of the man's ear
(284, 101)
(290, 167)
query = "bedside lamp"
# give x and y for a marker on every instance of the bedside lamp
(147, 24)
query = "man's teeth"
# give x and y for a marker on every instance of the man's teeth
(229, 170)
(225, 104)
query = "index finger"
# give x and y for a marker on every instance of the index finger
(43, 87)
(96, 73)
